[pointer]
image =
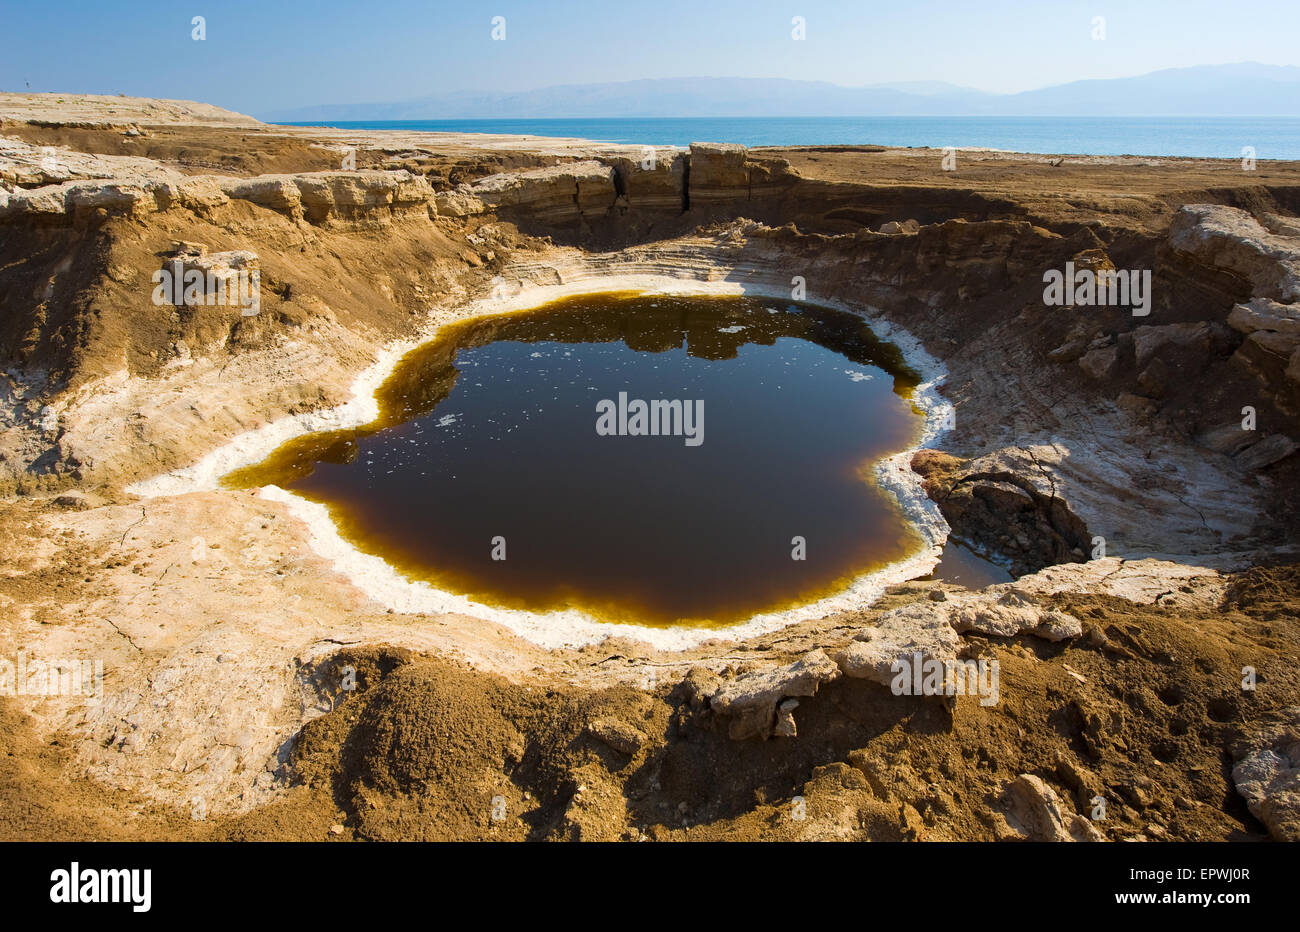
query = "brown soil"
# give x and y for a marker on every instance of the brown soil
(459, 730)
(1141, 711)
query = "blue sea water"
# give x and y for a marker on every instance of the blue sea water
(1206, 137)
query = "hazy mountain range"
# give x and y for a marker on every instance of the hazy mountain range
(1246, 89)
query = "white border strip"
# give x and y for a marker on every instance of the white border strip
(381, 582)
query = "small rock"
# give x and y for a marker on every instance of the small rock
(183, 248)
(1035, 812)
(784, 726)
(1266, 452)
(900, 226)
(76, 501)
(1228, 439)
(1137, 796)
(1058, 626)
(1069, 351)
(618, 735)
(1099, 363)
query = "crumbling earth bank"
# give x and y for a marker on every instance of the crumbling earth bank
(225, 637)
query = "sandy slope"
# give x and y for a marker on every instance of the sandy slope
(114, 110)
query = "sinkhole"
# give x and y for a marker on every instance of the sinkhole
(656, 460)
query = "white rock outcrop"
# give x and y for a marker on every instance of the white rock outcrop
(568, 191)
(750, 701)
(1267, 775)
(923, 628)
(1230, 238)
(932, 629)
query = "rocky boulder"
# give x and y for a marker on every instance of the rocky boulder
(1267, 774)
(1014, 612)
(922, 627)
(1228, 439)
(721, 173)
(655, 181)
(1005, 503)
(229, 278)
(1231, 239)
(1265, 314)
(333, 196)
(1272, 449)
(565, 193)
(1035, 812)
(750, 701)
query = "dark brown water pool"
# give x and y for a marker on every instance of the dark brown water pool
(657, 460)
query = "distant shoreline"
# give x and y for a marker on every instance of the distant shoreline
(1179, 137)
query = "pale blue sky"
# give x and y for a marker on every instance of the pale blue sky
(264, 56)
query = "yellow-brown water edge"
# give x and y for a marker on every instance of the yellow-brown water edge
(487, 472)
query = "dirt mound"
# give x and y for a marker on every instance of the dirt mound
(424, 726)
(1141, 712)
(1272, 591)
(436, 750)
